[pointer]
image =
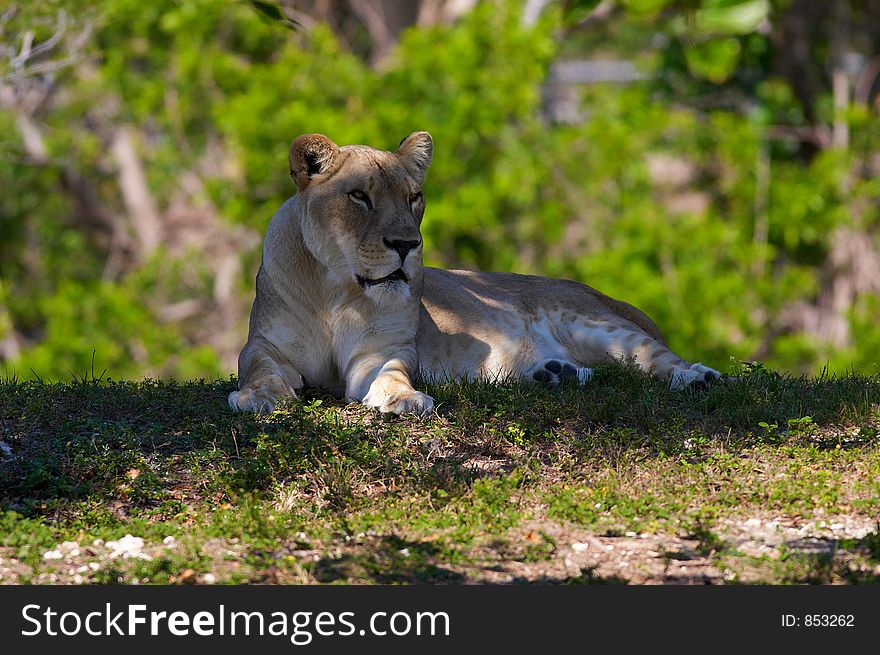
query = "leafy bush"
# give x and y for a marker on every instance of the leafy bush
(218, 91)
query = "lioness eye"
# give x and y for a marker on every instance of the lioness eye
(359, 196)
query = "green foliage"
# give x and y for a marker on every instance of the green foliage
(220, 89)
(90, 318)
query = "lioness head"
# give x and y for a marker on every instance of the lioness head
(362, 209)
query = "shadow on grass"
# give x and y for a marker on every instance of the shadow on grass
(587, 576)
(164, 445)
(392, 560)
(387, 560)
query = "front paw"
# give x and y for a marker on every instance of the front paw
(399, 401)
(261, 397)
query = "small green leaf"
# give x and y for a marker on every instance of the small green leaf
(714, 60)
(268, 9)
(645, 6)
(732, 17)
(575, 11)
(273, 12)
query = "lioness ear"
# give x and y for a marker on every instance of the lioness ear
(310, 155)
(416, 152)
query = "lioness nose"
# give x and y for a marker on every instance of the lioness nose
(402, 247)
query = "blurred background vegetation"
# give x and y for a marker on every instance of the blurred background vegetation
(715, 162)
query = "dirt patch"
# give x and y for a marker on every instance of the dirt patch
(578, 556)
(832, 550)
(11, 569)
(575, 555)
(771, 536)
(827, 550)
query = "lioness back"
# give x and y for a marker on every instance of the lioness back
(498, 325)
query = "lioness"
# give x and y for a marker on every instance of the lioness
(343, 302)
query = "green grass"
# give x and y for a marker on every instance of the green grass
(497, 486)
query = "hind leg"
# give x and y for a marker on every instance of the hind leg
(666, 365)
(554, 371)
(695, 376)
(597, 343)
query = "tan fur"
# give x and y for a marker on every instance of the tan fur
(321, 319)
